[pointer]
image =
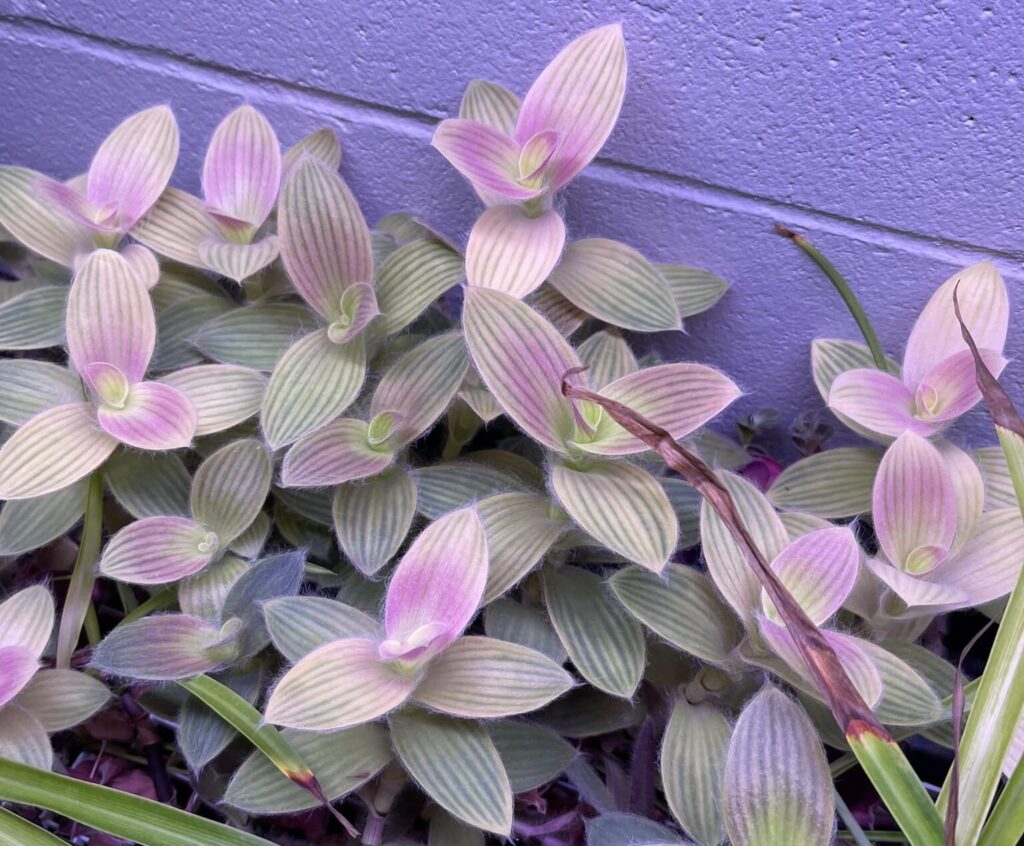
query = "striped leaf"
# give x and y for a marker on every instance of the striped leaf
(907, 697)
(149, 484)
(315, 381)
(144, 264)
(158, 550)
(238, 262)
(322, 144)
(60, 699)
(694, 290)
(693, 754)
(777, 787)
(482, 678)
(334, 454)
(681, 606)
(532, 756)
(202, 733)
(615, 283)
(18, 831)
(342, 761)
(456, 764)
(834, 483)
(594, 790)
(607, 357)
(314, 505)
(204, 594)
(372, 518)
(255, 336)
(34, 319)
(515, 622)
(603, 641)
(454, 484)
(613, 829)
(522, 360)
(300, 624)
(686, 504)
(513, 252)
(250, 543)
(178, 324)
(998, 483)
(230, 488)
(223, 395)
(269, 578)
(175, 227)
(36, 223)
(557, 310)
(587, 712)
(520, 529)
(445, 830)
(830, 358)
(28, 387)
(28, 524)
(404, 227)
(412, 278)
(23, 739)
(490, 104)
(623, 507)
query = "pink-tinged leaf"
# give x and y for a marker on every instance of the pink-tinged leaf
(54, 449)
(436, 589)
(914, 505)
(23, 739)
(155, 416)
(134, 164)
(144, 263)
(607, 357)
(936, 334)
(512, 252)
(486, 157)
(988, 565)
(17, 666)
(949, 389)
(75, 206)
(522, 360)
(110, 316)
(877, 401)
(158, 550)
(223, 395)
(968, 490)
(561, 313)
(579, 96)
(322, 144)
(336, 453)
(490, 104)
(242, 170)
(26, 619)
(819, 569)
(36, 223)
(678, 397)
(176, 226)
(237, 261)
(60, 699)
(358, 307)
(309, 697)
(921, 595)
(536, 153)
(325, 242)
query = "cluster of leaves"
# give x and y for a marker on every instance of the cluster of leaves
(419, 526)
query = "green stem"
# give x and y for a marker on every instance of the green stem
(78, 609)
(160, 601)
(845, 291)
(854, 830)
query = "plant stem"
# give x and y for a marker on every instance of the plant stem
(845, 291)
(78, 609)
(160, 601)
(853, 827)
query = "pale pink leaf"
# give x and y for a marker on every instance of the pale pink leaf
(54, 449)
(322, 144)
(579, 96)
(237, 261)
(23, 739)
(487, 158)
(242, 170)
(37, 223)
(144, 263)
(158, 550)
(921, 595)
(513, 252)
(819, 569)
(26, 619)
(60, 699)
(325, 242)
(309, 697)
(950, 388)
(988, 565)
(358, 307)
(437, 587)
(877, 401)
(17, 666)
(968, 490)
(336, 453)
(176, 226)
(134, 164)
(522, 360)
(110, 317)
(155, 416)
(75, 206)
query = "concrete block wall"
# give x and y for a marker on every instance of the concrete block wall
(889, 131)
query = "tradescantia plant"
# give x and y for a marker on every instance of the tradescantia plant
(385, 540)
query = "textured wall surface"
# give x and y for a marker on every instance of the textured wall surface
(889, 131)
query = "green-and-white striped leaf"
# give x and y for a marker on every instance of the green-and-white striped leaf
(686, 502)
(777, 787)
(223, 395)
(834, 483)
(481, 677)
(341, 761)
(28, 387)
(616, 284)
(681, 606)
(829, 358)
(622, 506)
(693, 290)
(250, 543)
(204, 594)
(33, 320)
(587, 712)
(178, 324)
(603, 641)
(149, 484)
(445, 830)
(452, 485)
(323, 144)
(456, 764)
(23, 739)
(607, 357)
(269, 578)
(202, 733)
(27, 524)
(238, 262)
(372, 518)
(998, 484)
(512, 621)
(561, 313)
(490, 104)
(335, 453)
(692, 766)
(175, 227)
(299, 624)
(513, 252)
(230, 488)
(614, 829)
(60, 699)
(314, 382)
(255, 336)
(411, 278)
(18, 831)
(520, 529)
(907, 698)
(36, 223)
(532, 755)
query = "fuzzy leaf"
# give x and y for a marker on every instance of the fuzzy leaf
(23, 739)
(230, 488)
(372, 518)
(35, 222)
(336, 453)
(695, 291)
(512, 252)
(60, 699)
(491, 104)
(520, 529)
(202, 733)
(28, 524)
(515, 622)
(607, 357)
(158, 550)
(454, 484)
(34, 319)
(28, 387)
(204, 594)
(413, 277)
(819, 570)
(154, 416)
(223, 395)
(300, 624)
(175, 227)
(178, 324)
(255, 336)
(613, 829)
(834, 483)
(323, 144)
(149, 484)
(242, 170)
(238, 262)
(532, 756)
(26, 620)
(487, 158)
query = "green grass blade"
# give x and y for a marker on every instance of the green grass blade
(124, 815)
(1006, 825)
(16, 831)
(78, 603)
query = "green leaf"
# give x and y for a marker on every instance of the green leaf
(17, 831)
(694, 290)
(223, 395)
(34, 222)
(630, 830)
(457, 765)
(411, 278)
(587, 712)
(532, 755)
(60, 699)
(299, 624)
(452, 485)
(509, 620)
(34, 319)
(204, 594)
(372, 518)
(149, 484)
(27, 524)
(907, 698)
(606, 644)
(230, 488)
(202, 733)
(835, 483)
(178, 324)
(28, 386)
(445, 830)
(607, 357)
(255, 336)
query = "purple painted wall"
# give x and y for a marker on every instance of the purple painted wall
(890, 131)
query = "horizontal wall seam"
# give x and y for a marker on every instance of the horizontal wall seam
(256, 86)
